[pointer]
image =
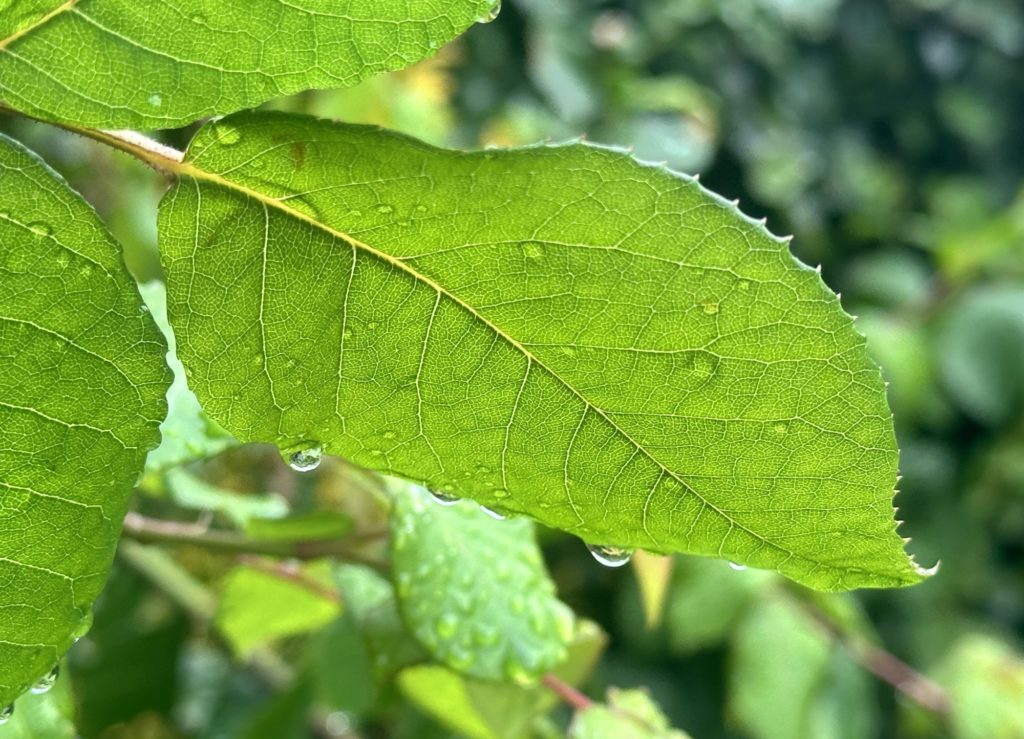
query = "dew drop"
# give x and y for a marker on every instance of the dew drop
(306, 459)
(444, 498)
(40, 229)
(738, 567)
(83, 626)
(228, 135)
(6, 713)
(493, 513)
(447, 625)
(155, 100)
(710, 308)
(47, 681)
(489, 12)
(610, 556)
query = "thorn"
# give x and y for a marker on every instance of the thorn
(787, 239)
(736, 203)
(763, 221)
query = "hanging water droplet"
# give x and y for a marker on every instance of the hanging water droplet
(489, 12)
(493, 513)
(738, 567)
(610, 556)
(6, 713)
(47, 681)
(305, 460)
(444, 498)
(155, 100)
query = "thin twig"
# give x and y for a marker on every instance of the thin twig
(566, 692)
(155, 531)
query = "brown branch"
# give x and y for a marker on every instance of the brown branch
(155, 531)
(566, 692)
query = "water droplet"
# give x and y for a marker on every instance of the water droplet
(737, 567)
(485, 635)
(421, 209)
(155, 100)
(6, 713)
(444, 498)
(517, 672)
(493, 513)
(306, 459)
(385, 208)
(489, 11)
(228, 135)
(447, 625)
(533, 250)
(83, 626)
(710, 308)
(47, 681)
(40, 229)
(198, 18)
(610, 556)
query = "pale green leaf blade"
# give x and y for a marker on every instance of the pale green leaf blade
(985, 679)
(629, 714)
(82, 382)
(556, 331)
(129, 64)
(474, 590)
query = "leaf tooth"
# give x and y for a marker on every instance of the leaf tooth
(818, 269)
(735, 203)
(696, 177)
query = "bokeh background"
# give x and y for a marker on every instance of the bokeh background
(888, 136)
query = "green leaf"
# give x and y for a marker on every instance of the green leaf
(788, 680)
(186, 434)
(311, 526)
(188, 491)
(474, 590)
(629, 714)
(119, 63)
(985, 679)
(82, 382)
(558, 331)
(257, 607)
(486, 709)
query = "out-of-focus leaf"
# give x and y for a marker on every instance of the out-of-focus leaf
(312, 526)
(985, 679)
(186, 433)
(82, 383)
(119, 64)
(47, 716)
(257, 607)
(706, 600)
(485, 709)
(628, 358)
(371, 600)
(981, 353)
(474, 590)
(340, 665)
(628, 714)
(653, 574)
(188, 491)
(784, 683)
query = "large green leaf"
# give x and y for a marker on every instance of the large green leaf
(559, 331)
(82, 382)
(124, 63)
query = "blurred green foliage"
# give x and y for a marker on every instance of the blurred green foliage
(887, 136)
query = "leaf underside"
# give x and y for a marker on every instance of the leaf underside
(125, 63)
(82, 383)
(558, 331)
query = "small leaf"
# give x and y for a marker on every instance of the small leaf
(82, 383)
(188, 491)
(629, 714)
(122, 64)
(311, 526)
(985, 678)
(559, 331)
(474, 590)
(490, 710)
(257, 607)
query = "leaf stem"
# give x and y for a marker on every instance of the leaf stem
(155, 531)
(566, 692)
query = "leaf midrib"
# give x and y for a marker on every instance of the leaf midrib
(43, 20)
(188, 169)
